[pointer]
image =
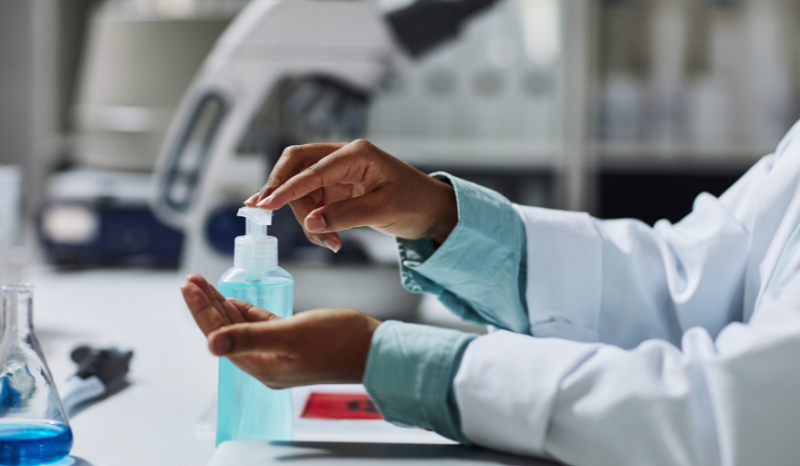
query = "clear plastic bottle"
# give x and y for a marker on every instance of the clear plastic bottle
(33, 425)
(247, 409)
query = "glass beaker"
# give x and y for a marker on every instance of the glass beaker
(33, 425)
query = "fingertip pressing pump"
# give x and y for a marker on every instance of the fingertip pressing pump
(248, 409)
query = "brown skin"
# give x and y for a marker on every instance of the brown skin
(330, 187)
(335, 187)
(312, 347)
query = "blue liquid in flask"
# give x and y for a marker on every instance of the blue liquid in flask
(33, 424)
(29, 443)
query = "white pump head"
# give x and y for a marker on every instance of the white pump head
(256, 251)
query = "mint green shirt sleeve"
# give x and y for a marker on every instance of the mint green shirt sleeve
(480, 271)
(409, 375)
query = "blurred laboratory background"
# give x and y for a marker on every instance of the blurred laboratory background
(131, 130)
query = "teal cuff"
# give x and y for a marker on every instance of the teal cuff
(409, 375)
(479, 272)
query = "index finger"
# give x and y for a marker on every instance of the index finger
(338, 167)
(216, 300)
(203, 311)
(270, 336)
(252, 313)
(293, 160)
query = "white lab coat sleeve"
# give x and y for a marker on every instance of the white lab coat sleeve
(623, 282)
(729, 401)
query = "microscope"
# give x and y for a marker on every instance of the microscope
(284, 72)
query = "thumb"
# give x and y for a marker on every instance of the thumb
(244, 338)
(370, 209)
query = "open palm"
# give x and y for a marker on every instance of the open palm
(212, 312)
(319, 346)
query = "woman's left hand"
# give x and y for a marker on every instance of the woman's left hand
(312, 347)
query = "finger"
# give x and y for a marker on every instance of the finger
(370, 210)
(233, 313)
(200, 281)
(211, 295)
(293, 160)
(342, 166)
(248, 338)
(269, 368)
(301, 208)
(226, 309)
(204, 313)
(252, 313)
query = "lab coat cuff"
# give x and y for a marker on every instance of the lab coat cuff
(409, 375)
(486, 244)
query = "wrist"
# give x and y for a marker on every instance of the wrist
(360, 366)
(445, 212)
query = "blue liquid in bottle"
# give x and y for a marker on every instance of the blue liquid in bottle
(247, 409)
(28, 443)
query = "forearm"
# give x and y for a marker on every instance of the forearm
(596, 404)
(623, 282)
(708, 402)
(409, 374)
(444, 213)
(479, 272)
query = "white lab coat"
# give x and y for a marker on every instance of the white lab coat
(654, 346)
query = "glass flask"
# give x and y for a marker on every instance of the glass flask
(33, 425)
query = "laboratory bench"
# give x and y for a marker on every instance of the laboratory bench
(165, 416)
(172, 377)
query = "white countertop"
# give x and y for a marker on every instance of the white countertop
(162, 418)
(173, 376)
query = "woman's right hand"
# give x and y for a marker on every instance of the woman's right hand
(337, 186)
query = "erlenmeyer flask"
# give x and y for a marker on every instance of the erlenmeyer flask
(33, 426)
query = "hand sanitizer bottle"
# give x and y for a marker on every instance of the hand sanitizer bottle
(248, 409)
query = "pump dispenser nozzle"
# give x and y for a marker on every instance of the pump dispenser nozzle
(256, 251)
(257, 220)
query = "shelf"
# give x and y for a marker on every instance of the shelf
(471, 153)
(732, 156)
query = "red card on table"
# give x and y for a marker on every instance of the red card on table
(340, 406)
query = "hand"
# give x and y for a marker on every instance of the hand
(312, 347)
(334, 187)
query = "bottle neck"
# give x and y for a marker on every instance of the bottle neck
(256, 254)
(17, 309)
